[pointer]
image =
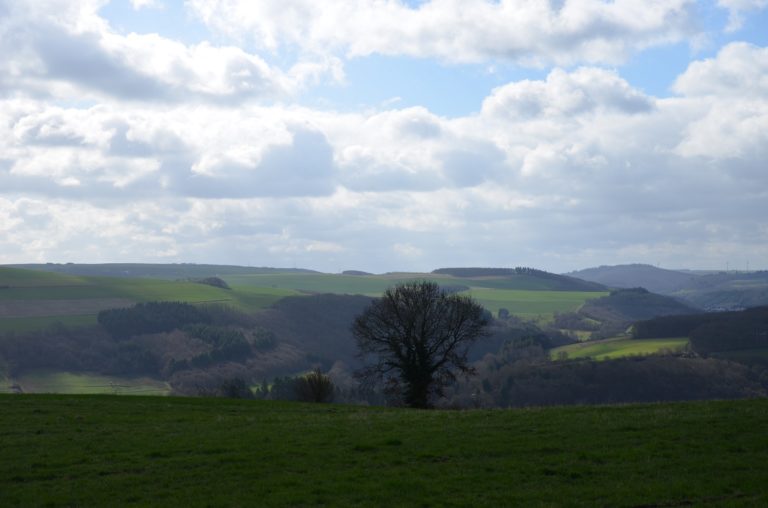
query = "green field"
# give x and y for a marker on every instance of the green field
(84, 383)
(28, 324)
(537, 304)
(16, 277)
(373, 285)
(540, 305)
(32, 300)
(617, 348)
(165, 451)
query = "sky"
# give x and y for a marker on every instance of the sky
(385, 135)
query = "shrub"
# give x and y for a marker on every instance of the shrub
(314, 387)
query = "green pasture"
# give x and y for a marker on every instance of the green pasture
(535, 304)
(31, 300)
(28, 324)
(617, 348)
(16, 277)
(249, 292)
(85, 383)
(540, 305)
(372, 285)
(167, 451)
(581, 335)
(249, 298)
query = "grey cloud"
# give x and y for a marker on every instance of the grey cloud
(36, 136)
(162, 144)
(468, 167)
(420, 127)
(303, 168)
(565, 94)
(81, 59)
(121, 145)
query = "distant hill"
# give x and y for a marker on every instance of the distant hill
(707, 290)
(523, 278)
(629, 305)
(726, 290)
(656, 280)
(716, 332)
(155, 271)
(34, 299)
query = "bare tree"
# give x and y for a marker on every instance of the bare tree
(415, 338)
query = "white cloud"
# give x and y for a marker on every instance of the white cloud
(525, 31)
(731, 94)
(739, 70)
(76, 53)
(147, 4)
(736, 10)
(565, 94)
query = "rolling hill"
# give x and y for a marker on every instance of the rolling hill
(711, 291)
(31, 299)
(656, 280)
(629, 305)
(153, 271)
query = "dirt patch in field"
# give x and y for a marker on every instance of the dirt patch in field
(39, 308)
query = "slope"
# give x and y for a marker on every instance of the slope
(656, 280)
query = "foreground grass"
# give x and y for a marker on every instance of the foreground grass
(618, 348)
(102, 450)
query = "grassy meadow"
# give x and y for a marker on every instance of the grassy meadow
(32, 300)
(84, 383)
(617, 348)
(118, 451)
(537, 305)
(520, 295)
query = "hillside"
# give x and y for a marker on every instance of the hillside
(118, 451)
(317, 325)
(744, 331)
(147, 270)
(520, 278)
(32, 299)
(656, 280)
(726, 290)
(629, 305)
(711, 291)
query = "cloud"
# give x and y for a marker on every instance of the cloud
(739, 69)
(302, 168)
(566, 94)
(732, 93)
(559, 172)
(523, 31)
(78, 53)
(146, 4)
(736, 10)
